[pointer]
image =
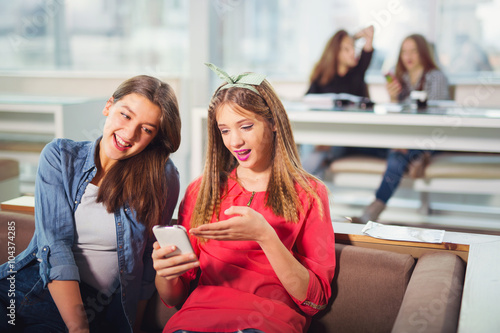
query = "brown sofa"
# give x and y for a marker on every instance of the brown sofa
(373, 290)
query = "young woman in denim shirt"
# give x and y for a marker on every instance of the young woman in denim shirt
(88, 265)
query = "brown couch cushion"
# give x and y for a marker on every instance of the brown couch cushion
(359, 164)
(435, 289)
(367, 290)
(24, 227)
(375, 165)
(463, 165)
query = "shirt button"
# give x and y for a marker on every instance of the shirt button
(120, 246)
(86, 180)
(121, 271)
(45, 249)
(76, 202)
(119, 224)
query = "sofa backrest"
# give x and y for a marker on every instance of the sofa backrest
(367, 290)
(372, 291)
(434, 295)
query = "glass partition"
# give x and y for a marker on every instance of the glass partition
(283, 38)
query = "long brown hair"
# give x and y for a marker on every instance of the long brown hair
(424, 53)
(140, 181)
(327, 66)
(282, 196)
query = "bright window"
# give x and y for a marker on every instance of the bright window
(283, 38)
(286, 37)
(94, 35)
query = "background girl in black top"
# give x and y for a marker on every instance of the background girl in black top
(338, 71)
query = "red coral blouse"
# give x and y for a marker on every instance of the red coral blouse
(238, 288)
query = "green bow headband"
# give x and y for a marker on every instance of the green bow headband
(244, 80)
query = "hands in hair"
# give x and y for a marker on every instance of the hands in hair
(367, 33)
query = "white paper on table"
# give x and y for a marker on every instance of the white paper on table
(393, 232)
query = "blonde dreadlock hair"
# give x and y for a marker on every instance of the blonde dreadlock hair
(287, 171)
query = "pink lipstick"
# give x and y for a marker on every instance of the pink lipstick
(243, 154)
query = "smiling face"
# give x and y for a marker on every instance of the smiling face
(132, 123)
(247, 136)
(409, 55)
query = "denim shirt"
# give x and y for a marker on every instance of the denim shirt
(65, 169)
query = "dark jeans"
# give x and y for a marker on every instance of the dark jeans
(397, 164)
(35, 310)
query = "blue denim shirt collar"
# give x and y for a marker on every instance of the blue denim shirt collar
(90, 160)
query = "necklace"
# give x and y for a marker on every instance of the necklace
(251, 198)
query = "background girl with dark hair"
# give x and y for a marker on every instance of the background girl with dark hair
(415, 70)
(260, 225)
(89, 263)
(338, 71)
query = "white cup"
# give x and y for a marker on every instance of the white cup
(418, 99)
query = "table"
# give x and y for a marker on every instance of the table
(23, 204)
(479, 309)
(449, 128)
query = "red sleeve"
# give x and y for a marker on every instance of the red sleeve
(315, 249)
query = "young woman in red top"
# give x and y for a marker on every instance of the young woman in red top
(259, 224)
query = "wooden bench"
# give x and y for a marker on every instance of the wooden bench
(461, 173)
(9, 179)
(456, 173)
(22, 146)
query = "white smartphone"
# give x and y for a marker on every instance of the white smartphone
(173, 235)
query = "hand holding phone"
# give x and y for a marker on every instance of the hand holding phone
(393, 86)
(173, 235)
